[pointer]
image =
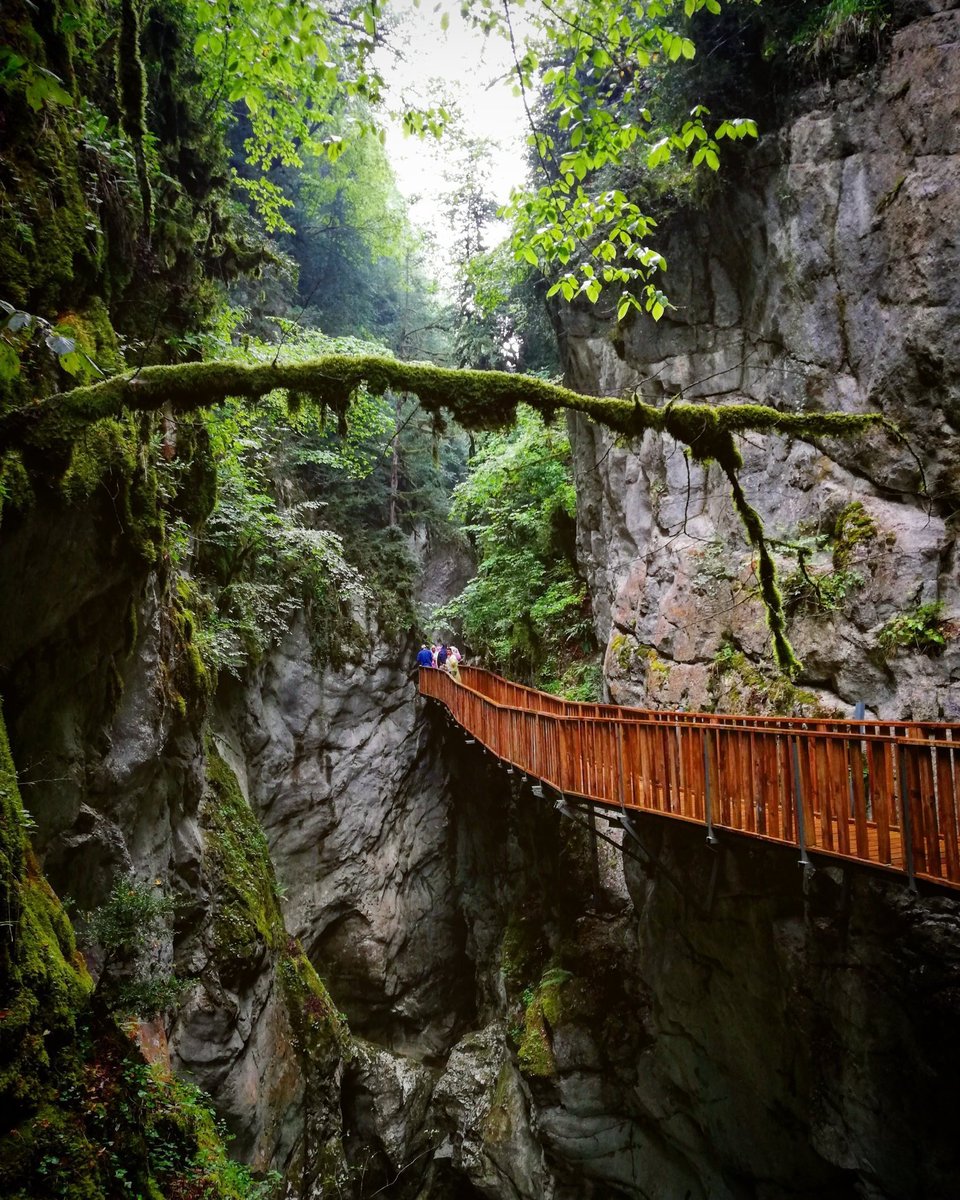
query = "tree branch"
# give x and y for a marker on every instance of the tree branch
(477, 399)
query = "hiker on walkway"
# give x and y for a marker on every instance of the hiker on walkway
(442, 655)
(424, 658)
(453, 667)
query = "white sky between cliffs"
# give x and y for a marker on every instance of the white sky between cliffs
(474, 72)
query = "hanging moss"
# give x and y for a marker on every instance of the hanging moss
(477, 399)
(728, 457)
(132, 89)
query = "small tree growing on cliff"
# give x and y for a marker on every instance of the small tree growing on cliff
(127, 930)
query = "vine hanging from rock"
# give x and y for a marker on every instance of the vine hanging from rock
(44, 432)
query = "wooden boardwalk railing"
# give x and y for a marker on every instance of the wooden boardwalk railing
(878, 792)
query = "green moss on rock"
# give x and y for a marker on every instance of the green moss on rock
(545, 1010)
(16, 490)
(104, 449)
(321, 1033)
(739, 685)
(43, 981)
(522, 952)
(246, 911)
(854, 527)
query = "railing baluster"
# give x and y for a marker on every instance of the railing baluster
(858, 796)
(947, 803)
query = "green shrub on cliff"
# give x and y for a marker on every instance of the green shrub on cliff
(526, 610)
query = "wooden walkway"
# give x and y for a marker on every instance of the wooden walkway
(885, 793)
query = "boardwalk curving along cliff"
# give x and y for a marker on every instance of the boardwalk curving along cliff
(884, 793)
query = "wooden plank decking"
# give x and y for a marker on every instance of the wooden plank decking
(878, 792)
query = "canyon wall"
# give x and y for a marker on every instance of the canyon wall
(821, 275)
(406, 973)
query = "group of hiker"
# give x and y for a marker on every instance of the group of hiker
(446, 658)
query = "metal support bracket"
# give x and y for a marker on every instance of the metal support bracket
(708, 793)
(563, 807)
(804, 860)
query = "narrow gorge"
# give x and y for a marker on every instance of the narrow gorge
(329, 946)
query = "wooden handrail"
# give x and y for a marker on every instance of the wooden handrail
(877, 792)
(505, 691)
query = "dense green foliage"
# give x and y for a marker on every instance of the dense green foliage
(923, 629)
(127, 929)
(312, 516)
(526, 611)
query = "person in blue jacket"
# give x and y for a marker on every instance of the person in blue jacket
(424, 658)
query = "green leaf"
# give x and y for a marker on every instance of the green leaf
(9, 362)
(73, 362)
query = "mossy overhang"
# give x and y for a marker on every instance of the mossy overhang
(477, 399)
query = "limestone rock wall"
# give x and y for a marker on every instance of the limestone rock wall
(672, 1020)
(824, 276)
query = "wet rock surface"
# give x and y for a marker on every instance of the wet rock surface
(356, 809)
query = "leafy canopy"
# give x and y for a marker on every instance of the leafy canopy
(597, 65)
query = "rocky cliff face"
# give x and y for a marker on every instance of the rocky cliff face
(823, 277)
(531, 1017)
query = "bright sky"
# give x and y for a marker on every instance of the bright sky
(470, 69)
